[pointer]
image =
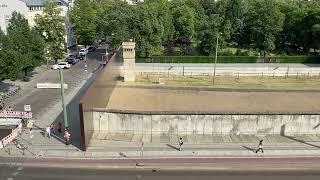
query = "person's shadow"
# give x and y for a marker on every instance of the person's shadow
(249, 148)
(173, 147)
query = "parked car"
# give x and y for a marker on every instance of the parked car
(76, 56)
(72, 60)
(90, 49)
(83, 52)
(62, 65)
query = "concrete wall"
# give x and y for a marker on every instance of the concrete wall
(97, 96)
(206, 124)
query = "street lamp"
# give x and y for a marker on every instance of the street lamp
(65, 118)
(216, 58)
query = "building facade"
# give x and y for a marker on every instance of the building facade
(30, 8)
(7, 7)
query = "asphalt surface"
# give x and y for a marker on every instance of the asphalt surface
(221, 168)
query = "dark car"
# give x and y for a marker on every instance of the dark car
(80, 58)
(90, 49)
(72, 60)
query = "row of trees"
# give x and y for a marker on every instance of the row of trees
(22, 48)
(290, 26)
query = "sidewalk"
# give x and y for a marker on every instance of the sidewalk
(43, 147)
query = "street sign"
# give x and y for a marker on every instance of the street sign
(50, 86)
(27, 108)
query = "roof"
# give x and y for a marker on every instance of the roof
(41, 2)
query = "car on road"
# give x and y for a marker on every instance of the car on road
(90, 49)
(73, 59)
(83, 52)
(62, 65)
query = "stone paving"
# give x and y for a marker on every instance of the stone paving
(126, 146)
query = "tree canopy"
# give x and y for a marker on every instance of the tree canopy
(51, 25)
(21, 49)
(162, 26)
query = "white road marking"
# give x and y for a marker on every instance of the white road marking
(10, 179)
(20, 168)
(15, 173)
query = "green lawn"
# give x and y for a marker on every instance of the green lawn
(233, 82)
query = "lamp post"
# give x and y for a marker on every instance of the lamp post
(215, 61)
(65, 118)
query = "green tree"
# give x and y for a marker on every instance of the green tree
(264, 22)
(115, 19)
(2, 55)
(184, 25)
(51, 26)
(84, 18)
(24, 49)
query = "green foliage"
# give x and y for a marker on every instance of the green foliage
(51, 25)
(84, 18)
(161, 26)
(22, 49)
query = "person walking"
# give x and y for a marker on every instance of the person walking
(180, 144)
(67, 137)
(48, 131)
(59, 127)
(260, 147)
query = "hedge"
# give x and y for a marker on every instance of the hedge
(230, 59)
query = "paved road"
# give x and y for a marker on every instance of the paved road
(278, 69)
(219, 170)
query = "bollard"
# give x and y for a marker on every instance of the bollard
(297, 75)
(308, 74)
(238, 75)
(262, 75)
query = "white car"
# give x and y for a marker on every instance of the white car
(83, 52)
(62, 65)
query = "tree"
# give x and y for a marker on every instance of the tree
(114, 21)
(51, 26)
(2, 55)
(264, 21)
(84, 18)
(23, 49)
(184, 24)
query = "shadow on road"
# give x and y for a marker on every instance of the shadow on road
(282, 133)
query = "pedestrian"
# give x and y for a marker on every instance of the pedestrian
(67, 137)
(260, 147)
(30, 125)
(59, 126)
(180, 144)
(48, 131)
(52, 129)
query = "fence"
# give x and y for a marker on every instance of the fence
(6, 140)
(225, 70)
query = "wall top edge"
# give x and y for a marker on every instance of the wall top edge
(198, 112)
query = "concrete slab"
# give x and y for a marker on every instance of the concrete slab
(236, 138)
(204, 139)
(137, 138)
(217, 139)
(164, 138)
(226, 139)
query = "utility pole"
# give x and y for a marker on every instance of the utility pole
(215, 61)
(65, 118)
